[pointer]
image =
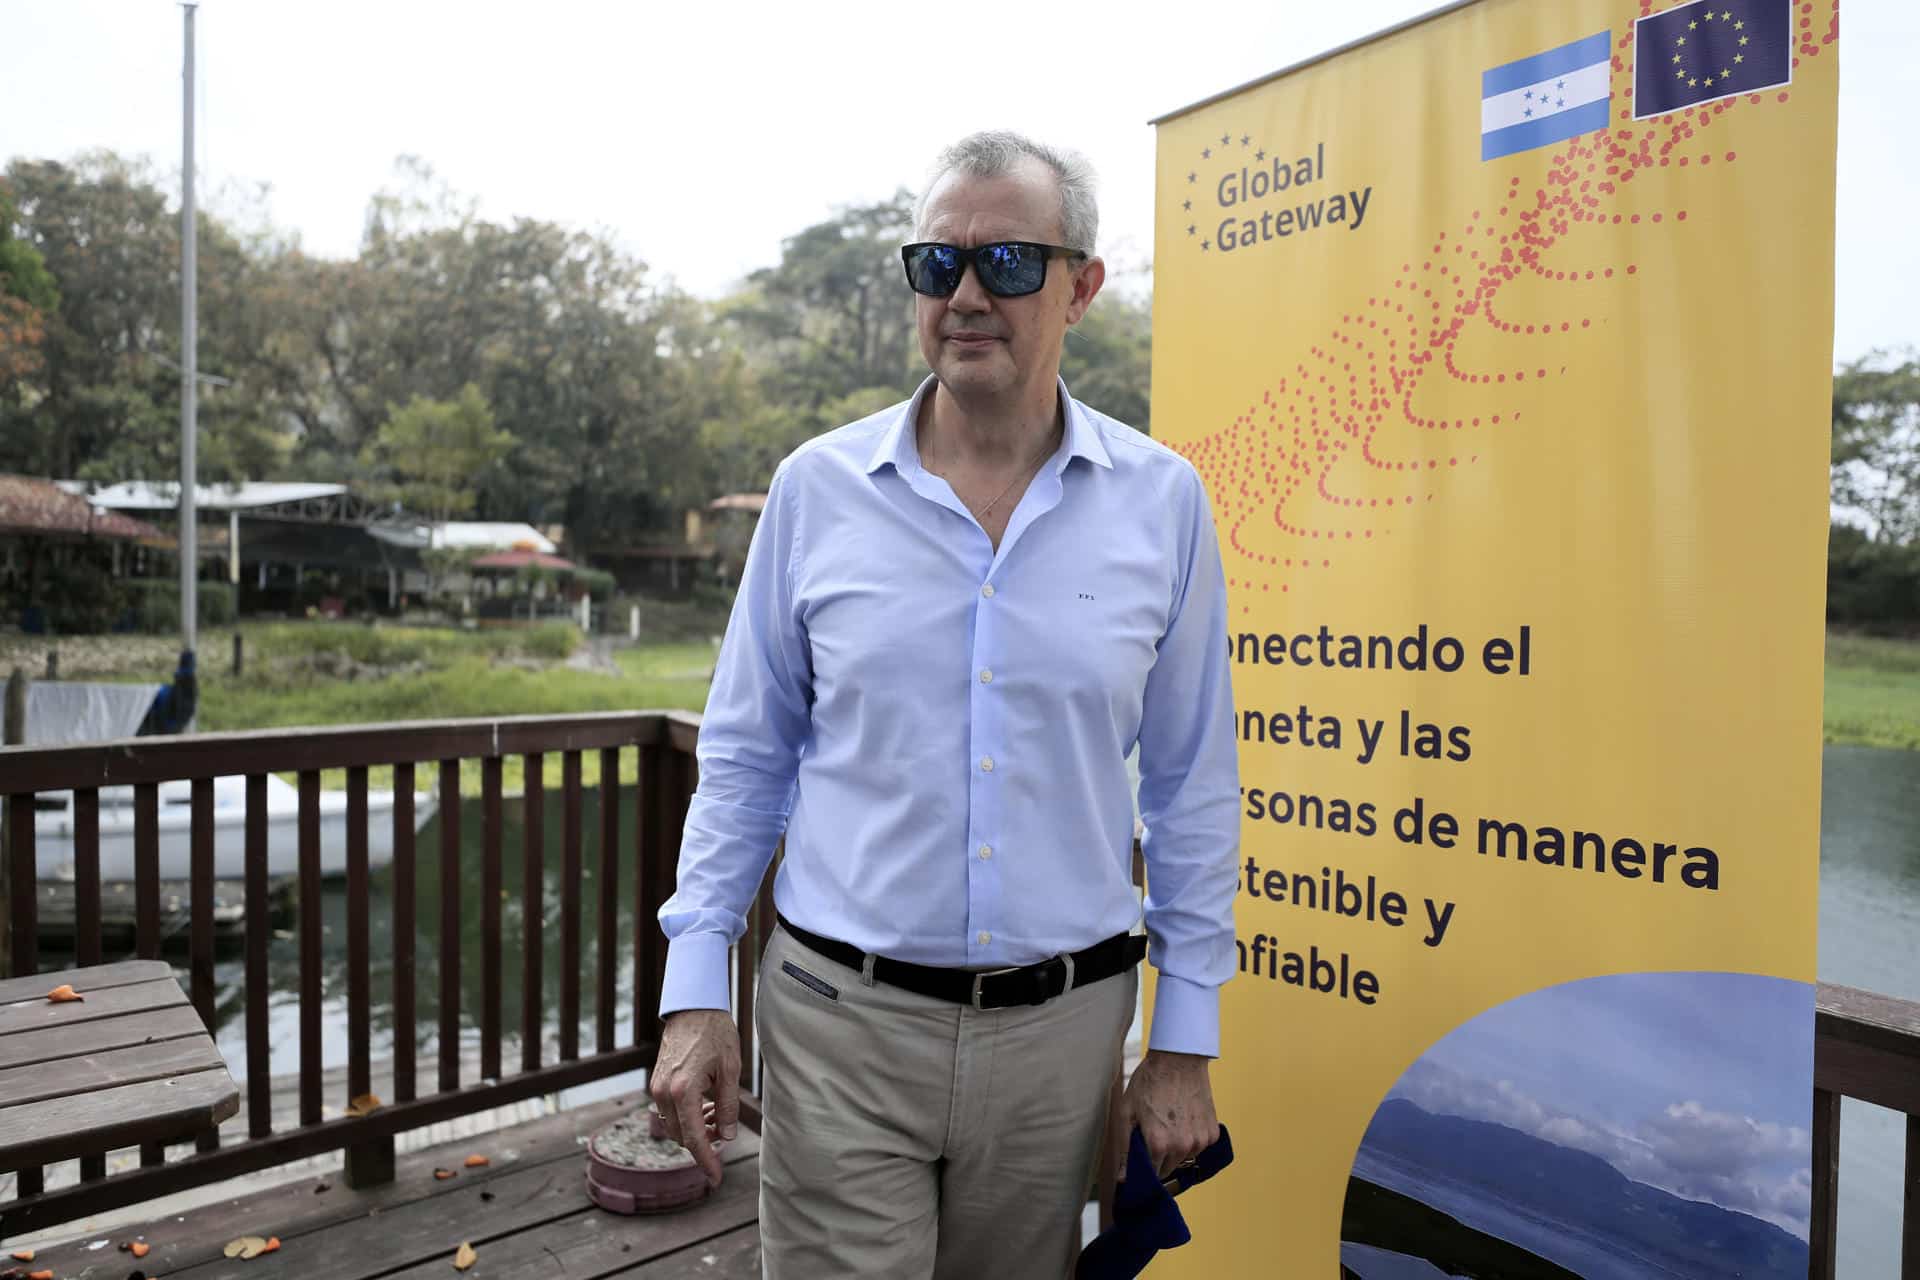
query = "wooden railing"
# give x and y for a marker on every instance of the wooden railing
(1865, 1046)
(663, 743)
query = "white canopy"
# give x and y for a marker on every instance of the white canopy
(64, 713)
(143, 495)
(467, 535)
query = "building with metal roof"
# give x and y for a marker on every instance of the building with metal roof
(146, 495)
(32, 506)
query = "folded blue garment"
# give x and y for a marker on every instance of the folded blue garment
(1145, 1218)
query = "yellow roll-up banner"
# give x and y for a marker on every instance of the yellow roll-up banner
(1503, 344)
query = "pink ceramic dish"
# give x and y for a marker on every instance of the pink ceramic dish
(632, 1167)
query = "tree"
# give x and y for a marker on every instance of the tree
(27, 296)
(1876, 444)
(433, 452)
(600, 378)
(1871, 583)
(428, 456)
(105, 402)
(1108, 357)
(611, 404)
(106, 236)
(835, 315)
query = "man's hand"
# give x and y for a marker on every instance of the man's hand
(1170, 1100)
(698, 1066)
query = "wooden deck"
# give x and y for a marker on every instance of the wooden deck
(525, 1214)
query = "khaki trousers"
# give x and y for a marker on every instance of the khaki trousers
(907, 1137)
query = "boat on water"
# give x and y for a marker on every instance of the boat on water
(53, 825)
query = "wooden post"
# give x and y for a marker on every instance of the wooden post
(239, 655)
(370, 1164)
(1826, 1183)
(12, 732)
(53, 664)
(16, 720)
(1910, 1224)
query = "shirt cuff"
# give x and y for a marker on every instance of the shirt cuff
(1186, 1017)
(696, 976)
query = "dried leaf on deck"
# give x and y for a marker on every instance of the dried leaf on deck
(139, 1248)
(441, 1175)
(23, 1255)
(63, 993)
(475, 1162)
(273, 1245)
(41, 1275)
(364, 1105)
(250, 1246)
(464, 1257)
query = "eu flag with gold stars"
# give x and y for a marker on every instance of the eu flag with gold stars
(1709, 50)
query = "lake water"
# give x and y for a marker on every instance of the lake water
(1869, 937)
(283, 958)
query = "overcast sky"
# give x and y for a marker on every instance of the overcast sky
(1693, 1082)
(702, 132)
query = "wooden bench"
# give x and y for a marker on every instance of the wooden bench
(127, 1064)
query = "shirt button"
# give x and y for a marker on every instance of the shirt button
(984, 937)
(987, 591)
(986, 764)
(986, 851)
(986, 677)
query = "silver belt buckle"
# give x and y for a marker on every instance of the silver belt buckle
(982, 976)
(978, 978)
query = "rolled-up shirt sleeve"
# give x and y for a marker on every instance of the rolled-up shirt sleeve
(1189, 795)
(757, 721)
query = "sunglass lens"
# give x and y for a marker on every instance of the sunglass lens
(934, 269)
(1011, 269)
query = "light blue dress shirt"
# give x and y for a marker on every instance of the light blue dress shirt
(941, 730)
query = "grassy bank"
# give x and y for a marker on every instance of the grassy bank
(482, 680)
(319, 673)
(313, 674)
(1873, 691)
(308, 674)
(326, 673)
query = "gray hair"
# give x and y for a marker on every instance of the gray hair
(993, 153)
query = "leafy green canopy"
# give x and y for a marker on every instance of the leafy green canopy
(518, 370)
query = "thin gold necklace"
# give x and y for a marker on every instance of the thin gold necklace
(1026, 473)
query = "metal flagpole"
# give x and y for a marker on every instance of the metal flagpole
(189, 362)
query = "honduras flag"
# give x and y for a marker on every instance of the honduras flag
(1547, 98)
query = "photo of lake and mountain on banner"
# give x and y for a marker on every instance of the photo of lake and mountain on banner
(1630, 1127)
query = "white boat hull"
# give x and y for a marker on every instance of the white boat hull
(54, 845)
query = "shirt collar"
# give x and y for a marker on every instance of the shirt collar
(899, 445)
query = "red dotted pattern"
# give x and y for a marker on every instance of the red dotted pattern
(1355, 394)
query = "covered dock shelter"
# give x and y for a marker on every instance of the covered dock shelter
(288, 546)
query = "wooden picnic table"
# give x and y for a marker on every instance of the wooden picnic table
(128, 1063)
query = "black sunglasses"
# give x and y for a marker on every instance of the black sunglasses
(1006, 268)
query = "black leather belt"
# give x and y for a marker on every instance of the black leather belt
(1034, 983)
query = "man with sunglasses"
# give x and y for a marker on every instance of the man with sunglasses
(958, 618)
